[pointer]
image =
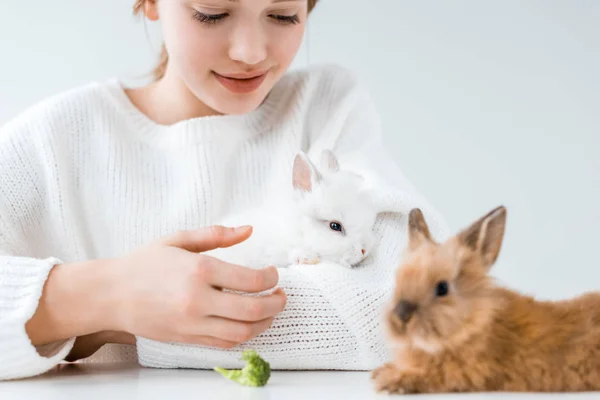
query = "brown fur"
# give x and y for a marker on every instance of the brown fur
(482, 337)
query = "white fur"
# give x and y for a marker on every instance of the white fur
(428, 346)
(294, 226)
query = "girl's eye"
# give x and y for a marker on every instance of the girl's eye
(209, 18)
(285, 19)
(214, 18)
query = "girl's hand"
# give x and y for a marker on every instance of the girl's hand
(169, 291)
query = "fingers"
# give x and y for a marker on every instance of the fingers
(245, 308)
(239, 278)
(233, 331)
(208, 238)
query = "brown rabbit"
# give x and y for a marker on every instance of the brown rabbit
(454, 330)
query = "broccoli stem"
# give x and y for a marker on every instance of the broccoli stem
(233, 374)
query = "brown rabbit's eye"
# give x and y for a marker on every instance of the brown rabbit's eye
(441, 289)
(336, 226)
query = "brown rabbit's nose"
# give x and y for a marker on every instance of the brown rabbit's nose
(405, 310)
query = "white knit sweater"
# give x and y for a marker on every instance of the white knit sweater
(86, 175)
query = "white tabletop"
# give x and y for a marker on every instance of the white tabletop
(128, 381)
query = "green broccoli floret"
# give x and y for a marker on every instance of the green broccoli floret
(256, 372)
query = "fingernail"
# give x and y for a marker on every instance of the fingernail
(242, 229)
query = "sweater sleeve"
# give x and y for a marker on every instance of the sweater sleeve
(23, 272)
(333, 316)
(22, 280)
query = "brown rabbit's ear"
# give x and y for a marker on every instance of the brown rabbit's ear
(485, 235)
(418, 231)
(329, 161)
(305, 174)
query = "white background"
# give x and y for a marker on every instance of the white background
(483, 103)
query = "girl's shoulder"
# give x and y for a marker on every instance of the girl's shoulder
(324, 83)
(319, 95)
(323, 73)
(61, 112)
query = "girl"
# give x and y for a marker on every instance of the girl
(104, 191)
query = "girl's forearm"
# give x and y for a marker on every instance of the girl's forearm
(76, 300)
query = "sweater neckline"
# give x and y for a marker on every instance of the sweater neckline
(194, 130)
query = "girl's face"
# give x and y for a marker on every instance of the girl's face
(229, 53)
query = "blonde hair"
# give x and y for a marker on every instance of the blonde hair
(161, 67)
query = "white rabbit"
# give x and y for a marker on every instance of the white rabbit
(325, 214)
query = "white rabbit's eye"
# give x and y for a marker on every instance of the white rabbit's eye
(336, 226)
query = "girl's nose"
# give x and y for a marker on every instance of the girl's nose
(248, 44)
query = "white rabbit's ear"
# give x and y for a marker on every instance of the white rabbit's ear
(329, 162)
(305, 174)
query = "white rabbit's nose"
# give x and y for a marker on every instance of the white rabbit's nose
(363, 251)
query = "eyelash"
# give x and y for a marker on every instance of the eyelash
(286, 19)
(212, 19)
(208, 18)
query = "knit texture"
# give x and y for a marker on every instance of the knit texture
(86, 175)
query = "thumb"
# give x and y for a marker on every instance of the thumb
(208, 238)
